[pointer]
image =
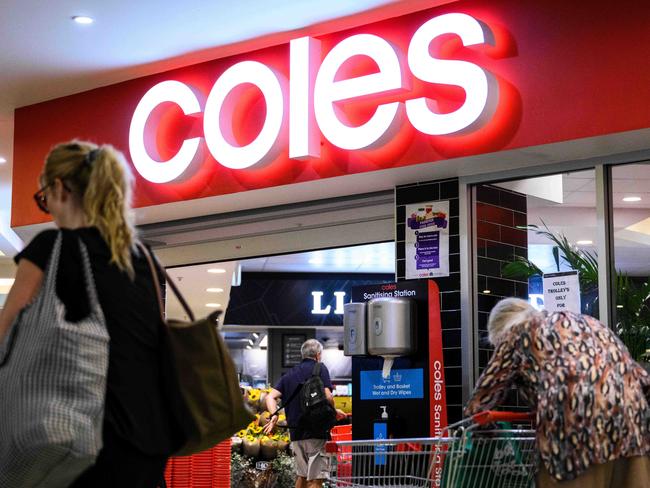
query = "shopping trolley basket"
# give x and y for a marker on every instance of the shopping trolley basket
(467, 454)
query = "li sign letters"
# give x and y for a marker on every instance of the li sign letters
(314, 93)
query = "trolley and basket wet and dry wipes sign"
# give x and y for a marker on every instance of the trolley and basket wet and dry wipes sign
(402, 384)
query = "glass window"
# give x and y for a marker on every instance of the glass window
(631, 220)
(531, 228)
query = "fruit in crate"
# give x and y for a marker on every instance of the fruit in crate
(268, 447)
(251, 446)
(262, 400)
(283, 442)
(236, 443)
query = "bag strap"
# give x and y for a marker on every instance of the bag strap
(290, 399)
(155, 266)
(316, 371)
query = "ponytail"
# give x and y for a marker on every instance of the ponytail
(106, 204)
(102, 179)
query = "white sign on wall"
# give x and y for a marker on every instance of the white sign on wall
(317, 301)
(427, 240)
(562, 292)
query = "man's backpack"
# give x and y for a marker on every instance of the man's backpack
(318, 415)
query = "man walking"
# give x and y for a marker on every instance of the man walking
(307, 442)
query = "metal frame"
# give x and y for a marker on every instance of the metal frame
(605, 245)
(468, 282)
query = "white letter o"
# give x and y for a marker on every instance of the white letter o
(241, 157)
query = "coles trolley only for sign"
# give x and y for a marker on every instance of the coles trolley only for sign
(488, 450)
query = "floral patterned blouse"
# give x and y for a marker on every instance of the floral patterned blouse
(590, 396)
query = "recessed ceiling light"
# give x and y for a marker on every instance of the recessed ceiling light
(619, 306)
(3, 160)
(584, 243)
(256, 335)
(216, 270)
(487, 292)
(213, 305)
(248, 347)
(632, 199)
(214, 290)
(83, 19)
(250, 341)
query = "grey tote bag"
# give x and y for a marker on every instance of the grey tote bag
(52, 388)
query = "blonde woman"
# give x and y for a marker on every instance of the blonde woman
(591, 398)
(86, 189)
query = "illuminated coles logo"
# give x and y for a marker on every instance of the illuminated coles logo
(314, 97)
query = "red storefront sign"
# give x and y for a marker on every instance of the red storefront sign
(461, 79)
(315, 95)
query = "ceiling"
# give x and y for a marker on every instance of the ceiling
(194, 281)
(372, 258)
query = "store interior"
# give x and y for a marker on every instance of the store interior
(238, 288)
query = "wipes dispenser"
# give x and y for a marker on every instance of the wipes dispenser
(354, 329)
(391, 329)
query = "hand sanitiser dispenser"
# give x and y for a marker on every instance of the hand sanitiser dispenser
(391, 329)
(354, 328)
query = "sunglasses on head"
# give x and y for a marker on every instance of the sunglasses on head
(41, 199)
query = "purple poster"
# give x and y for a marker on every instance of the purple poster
(427, 240)
(427, 250)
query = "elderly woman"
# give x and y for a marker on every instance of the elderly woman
(591, 398)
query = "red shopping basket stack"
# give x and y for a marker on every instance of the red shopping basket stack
(207, 469)
(344, 453)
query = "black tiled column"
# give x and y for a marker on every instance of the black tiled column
(501, 235)
(449, 287)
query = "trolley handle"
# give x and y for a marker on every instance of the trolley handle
(490, 416)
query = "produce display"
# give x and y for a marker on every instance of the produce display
(252, 441)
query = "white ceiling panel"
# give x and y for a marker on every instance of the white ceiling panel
(372, 258)
(194, 281)
(575, 184)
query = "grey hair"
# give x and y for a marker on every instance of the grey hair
(310, 349)
(506, 314)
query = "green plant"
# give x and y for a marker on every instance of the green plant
(285, 468)
(633, 312)
(238, 466)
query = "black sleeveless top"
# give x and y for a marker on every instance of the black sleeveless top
(135, 402)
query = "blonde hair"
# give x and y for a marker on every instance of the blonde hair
(100, 177)
(506, 314)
